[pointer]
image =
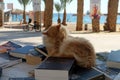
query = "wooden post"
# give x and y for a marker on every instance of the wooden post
(95, 25)
(37, 17)
(1, 18)
(1, 13)
(112, 15)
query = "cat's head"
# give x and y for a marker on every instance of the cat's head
(55, 31)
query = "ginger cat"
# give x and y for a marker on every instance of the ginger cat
(59, 44)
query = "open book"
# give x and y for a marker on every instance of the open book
(21, 52)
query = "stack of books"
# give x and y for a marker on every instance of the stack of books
(21, 52)
(37, 55)
(54, 68)
(38, 51)
(32, 54)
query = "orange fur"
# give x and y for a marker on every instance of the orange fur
(60, 44)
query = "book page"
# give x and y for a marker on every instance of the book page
(117, 77)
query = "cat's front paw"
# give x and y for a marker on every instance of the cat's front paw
(88, 65)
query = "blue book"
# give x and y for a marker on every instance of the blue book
(113, 60)
(54, 68)
(21, 52)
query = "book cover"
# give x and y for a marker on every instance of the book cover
(21, 52)
(24, 78)
(113, 60)
(54, 68)
(10, 63)
(42, 50)
(110, 73)
(12, 44)
(33, 52)
(8, 46)
(80, 73)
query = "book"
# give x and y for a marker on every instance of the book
(0, 71)
(7, 61)
(80, 73)
(8, 46)
(101, 60)
(24, 78)
(3, 60)
(117, 77)
(113, 60)
(12, 44)
(10, 63)
(35, 53)
(21, 52)
(42, 50)
(8, 57)
(41, 47)
(36, 56)
(54, 68)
